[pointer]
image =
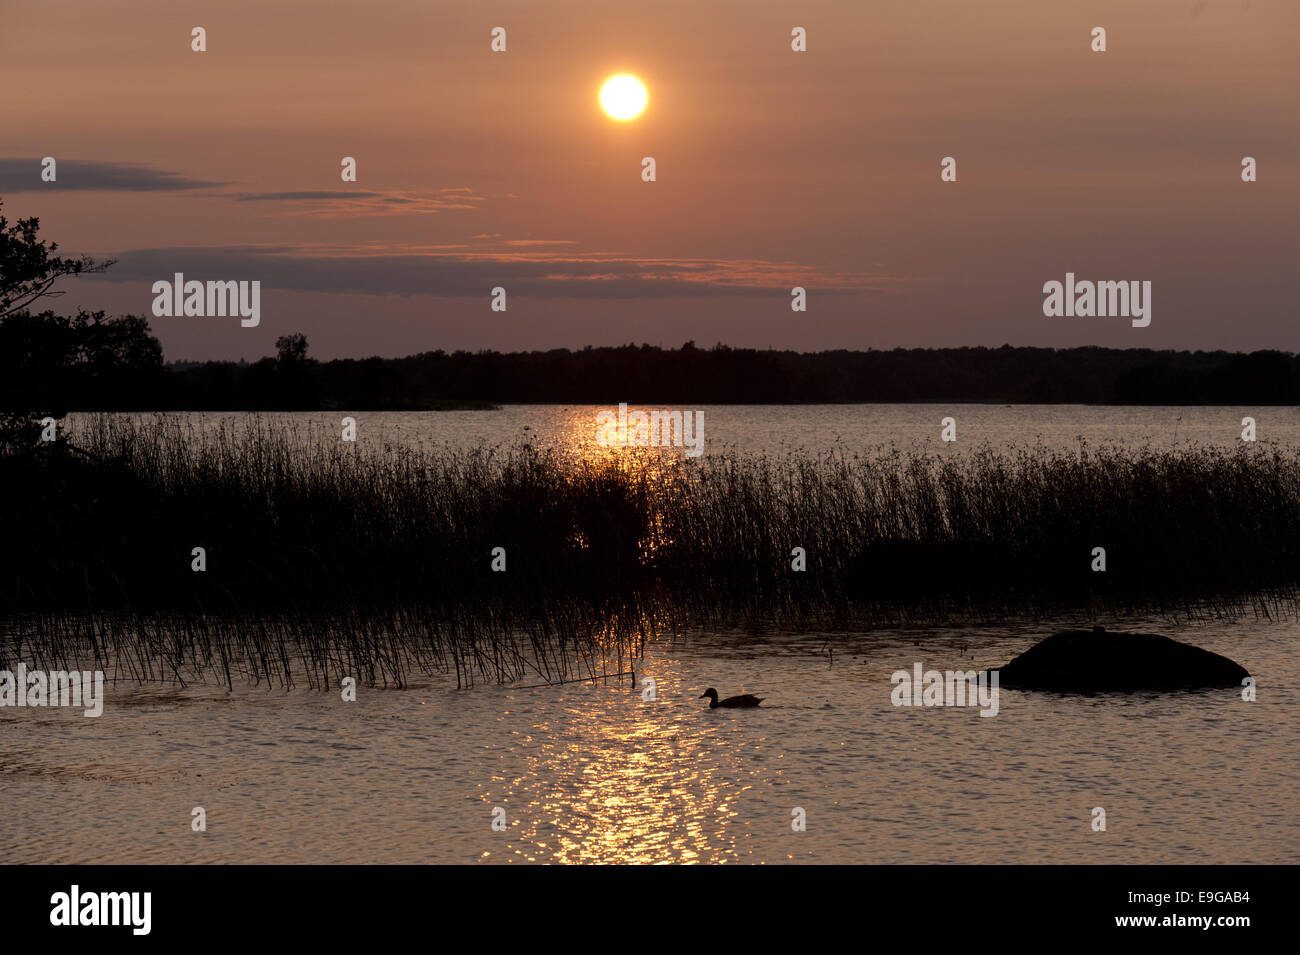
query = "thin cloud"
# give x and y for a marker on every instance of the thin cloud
(349, 204)
(24, 175)
(303, 196)
(452, 272)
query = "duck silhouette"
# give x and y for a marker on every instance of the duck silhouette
(731, 702)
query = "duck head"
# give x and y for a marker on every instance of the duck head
(711, 693)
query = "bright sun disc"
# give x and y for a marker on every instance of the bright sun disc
(623, 96)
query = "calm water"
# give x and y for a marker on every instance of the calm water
(594, 773)
(809, 428)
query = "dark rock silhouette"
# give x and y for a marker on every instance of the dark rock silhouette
(1082, 661)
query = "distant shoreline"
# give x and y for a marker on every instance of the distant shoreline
(683, 376)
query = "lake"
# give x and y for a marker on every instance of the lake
(595, 773)
(776, 429)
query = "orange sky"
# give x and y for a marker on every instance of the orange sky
(775, 168)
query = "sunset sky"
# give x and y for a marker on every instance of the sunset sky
(479, 169)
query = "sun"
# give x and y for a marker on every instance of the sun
(623, 96)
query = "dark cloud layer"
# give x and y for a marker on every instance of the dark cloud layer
(24, 175)
(544, 275)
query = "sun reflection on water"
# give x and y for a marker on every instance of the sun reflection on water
(622, 780)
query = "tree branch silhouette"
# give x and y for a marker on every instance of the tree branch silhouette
(29, 268)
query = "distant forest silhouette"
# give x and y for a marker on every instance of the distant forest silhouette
(52, 364)
(93, 364)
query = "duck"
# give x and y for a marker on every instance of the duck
(731, 702)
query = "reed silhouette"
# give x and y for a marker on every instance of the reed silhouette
(325, 558)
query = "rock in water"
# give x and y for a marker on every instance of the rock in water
(1094, 661)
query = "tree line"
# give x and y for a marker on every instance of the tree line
(724, 375)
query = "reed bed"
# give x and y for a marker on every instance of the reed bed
(325, 559)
